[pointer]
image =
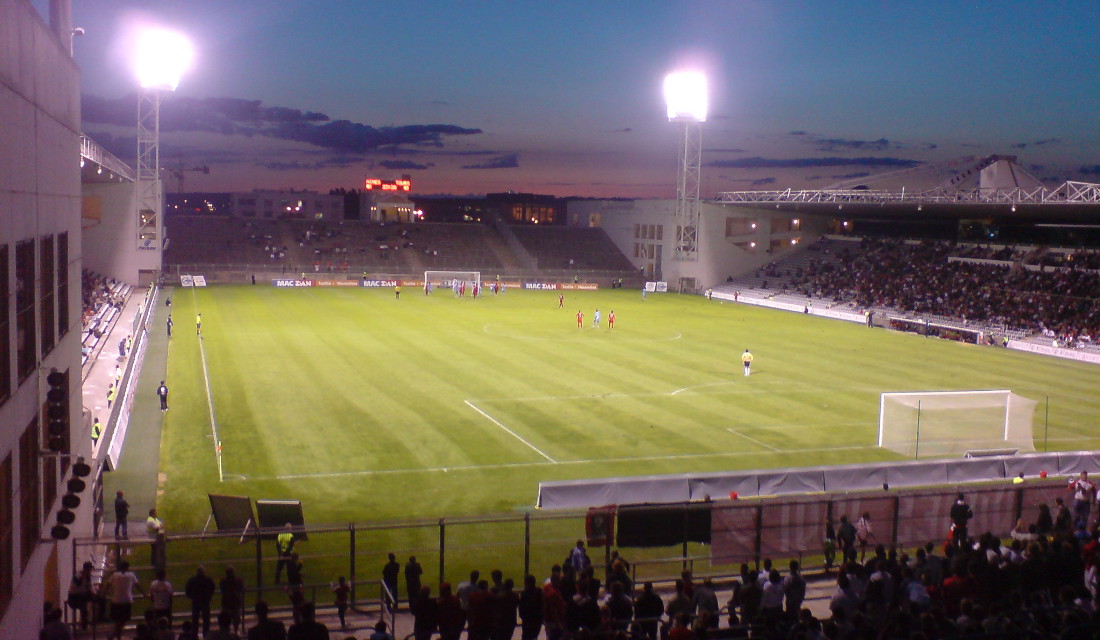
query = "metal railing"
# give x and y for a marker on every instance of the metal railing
(91, 151)
(1068, 193)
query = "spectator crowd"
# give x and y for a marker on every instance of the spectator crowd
(919, 278)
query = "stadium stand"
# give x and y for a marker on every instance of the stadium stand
(350, 247)
(101, 300)
(564, 248)
(937, 281)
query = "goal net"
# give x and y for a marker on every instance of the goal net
(448, 278)
(947, 423)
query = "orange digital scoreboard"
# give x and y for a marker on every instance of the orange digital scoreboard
(376, 184)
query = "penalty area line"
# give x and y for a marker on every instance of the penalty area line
(753, 440)
(525, 465)
(510, 432)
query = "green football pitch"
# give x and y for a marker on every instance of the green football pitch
(367, 408)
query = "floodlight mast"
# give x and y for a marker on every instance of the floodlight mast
(686, 99)
(160, 58)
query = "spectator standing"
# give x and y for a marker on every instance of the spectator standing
(706, 602)
(425, 613)
(81, 594)
(342, 592)
(1084, 492)
(308, 628)
(232, 589)
(389, 579)
(200, 591)
(449, 612)
(160, 592)
(960, 514)
(413, 571)
(864, 533)
(553, 609)
(794, 590)
(846, 539)
(578, 557)
(530, 609)
(648, 610)
(466, 588)
(121, 585)
(505, 611)
(829, 545)
(265, 628)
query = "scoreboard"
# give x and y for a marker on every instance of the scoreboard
(377, 184)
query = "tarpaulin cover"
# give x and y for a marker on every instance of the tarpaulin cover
(647, 525)
(792, 525)
(733, 534)
(790, 481)
(575, 494)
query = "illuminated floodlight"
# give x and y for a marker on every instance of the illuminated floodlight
(160, 58)
(686, 96)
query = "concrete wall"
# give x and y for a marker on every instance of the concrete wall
(111, 244)
(719, 256)
(39, 196)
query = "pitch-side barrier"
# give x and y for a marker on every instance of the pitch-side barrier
(576, 494)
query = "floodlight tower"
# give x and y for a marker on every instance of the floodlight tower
(161, 56)
(686, 98)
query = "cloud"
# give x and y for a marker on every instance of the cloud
(404, 164)
(798, 133)
(763, 181)
(832, 144)
(730, 150)
(295, 165)
(624, 130)
(1035, 143)
(757, 162)
(439, 103)
(1090, 170)
(235, 116)
(849, 176)
(508, 161)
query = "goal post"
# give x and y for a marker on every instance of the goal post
(445, 278)
(948, 423)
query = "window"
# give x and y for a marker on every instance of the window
(47, 270)
(7, 517)
(5, 328)
(660, 232)
(62, 284)
(30, 515)
(637, 231)
(25, 338)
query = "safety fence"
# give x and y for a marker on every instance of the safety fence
(447, 549)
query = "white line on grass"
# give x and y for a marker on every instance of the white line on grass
(753, 440)
(521, 465)
(209, 396)
(512, 433)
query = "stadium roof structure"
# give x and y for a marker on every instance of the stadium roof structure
(963, 188)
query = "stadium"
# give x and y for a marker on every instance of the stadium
(387, 373)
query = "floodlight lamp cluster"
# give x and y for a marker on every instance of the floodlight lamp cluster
(686, 96)
(160, 58)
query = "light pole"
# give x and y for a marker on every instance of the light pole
(686, 98)
(161, 56)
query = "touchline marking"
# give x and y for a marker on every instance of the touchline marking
(513, 433)
(209, 395)
(753, 440)
(523, 465)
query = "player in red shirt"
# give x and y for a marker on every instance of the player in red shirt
(561, 300)
(611, 319)
(580, 319)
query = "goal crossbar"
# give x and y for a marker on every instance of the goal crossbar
(941, 423)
